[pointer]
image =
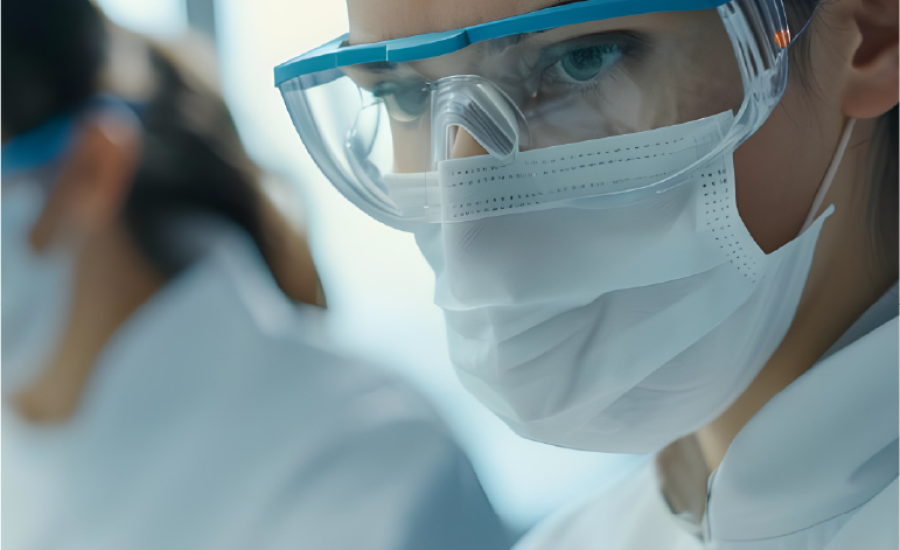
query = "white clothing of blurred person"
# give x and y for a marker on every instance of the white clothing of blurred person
(165, 386)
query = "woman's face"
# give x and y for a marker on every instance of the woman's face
(681, 67)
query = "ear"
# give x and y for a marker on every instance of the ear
(93, 181)
(872, 87)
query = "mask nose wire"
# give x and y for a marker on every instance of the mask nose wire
(830, 174)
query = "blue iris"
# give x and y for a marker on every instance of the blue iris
(584, 64)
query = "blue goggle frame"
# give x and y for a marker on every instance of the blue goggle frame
(336, 53)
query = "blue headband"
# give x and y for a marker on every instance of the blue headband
(46, 143)
(37, 147)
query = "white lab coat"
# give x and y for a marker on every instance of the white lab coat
(815, 469)
(217, 418)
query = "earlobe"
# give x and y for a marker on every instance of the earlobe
(94, 179)
(873, 87)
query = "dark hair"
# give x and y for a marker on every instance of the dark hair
(884, 165)
(51, 59)
(192, 160)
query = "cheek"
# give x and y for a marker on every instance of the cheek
(779, 169)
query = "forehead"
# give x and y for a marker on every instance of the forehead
(377, 20)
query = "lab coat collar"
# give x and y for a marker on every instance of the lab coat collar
(819, 450)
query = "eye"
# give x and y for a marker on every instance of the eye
(587, 63)
(404, 101)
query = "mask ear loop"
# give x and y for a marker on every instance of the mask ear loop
(829, 175)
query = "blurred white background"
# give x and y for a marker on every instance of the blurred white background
(379, 287)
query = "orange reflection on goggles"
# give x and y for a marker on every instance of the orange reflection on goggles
(783, 38)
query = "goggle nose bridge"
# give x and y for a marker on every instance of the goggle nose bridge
(481, 108)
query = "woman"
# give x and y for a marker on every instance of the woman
(657, 227)
(160, 390)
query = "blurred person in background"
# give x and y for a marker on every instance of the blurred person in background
(164, 384)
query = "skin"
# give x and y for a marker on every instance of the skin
(112, 279)
(854, 66)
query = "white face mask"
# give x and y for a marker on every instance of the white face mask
(616, 328)
(36, 287)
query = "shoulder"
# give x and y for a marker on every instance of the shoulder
(272, 341)
(630, 515)
(873, 526)
(377, 452)
(306, 360)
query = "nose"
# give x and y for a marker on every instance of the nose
(465, 146)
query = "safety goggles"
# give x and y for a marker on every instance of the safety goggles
(381, 119)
